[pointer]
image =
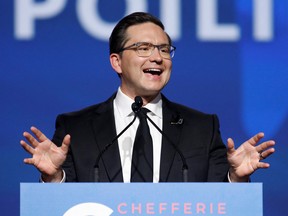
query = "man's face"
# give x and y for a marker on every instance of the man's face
(144, 76)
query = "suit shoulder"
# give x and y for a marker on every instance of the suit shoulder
(188, 110)
(185, 110)
(90, 110)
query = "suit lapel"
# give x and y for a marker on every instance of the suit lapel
(172, 127)
(104, 131)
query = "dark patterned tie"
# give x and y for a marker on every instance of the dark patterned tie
(142, 158)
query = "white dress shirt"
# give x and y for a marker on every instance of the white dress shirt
(123, 116)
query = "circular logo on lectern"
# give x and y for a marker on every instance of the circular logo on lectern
(91, 209)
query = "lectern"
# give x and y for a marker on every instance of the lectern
(103, 199)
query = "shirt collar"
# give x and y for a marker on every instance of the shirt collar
(155, 106)
(123, 105)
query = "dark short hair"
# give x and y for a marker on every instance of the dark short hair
(118, 37)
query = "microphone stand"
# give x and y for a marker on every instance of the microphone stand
(136, 106)
(96, 167)
(184, 163)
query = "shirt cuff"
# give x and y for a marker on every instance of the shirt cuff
(229, 180)
(62, 180)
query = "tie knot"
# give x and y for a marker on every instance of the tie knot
(143, 112)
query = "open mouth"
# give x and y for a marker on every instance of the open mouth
(153, 71)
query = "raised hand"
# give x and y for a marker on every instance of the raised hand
(46, 156)
(248, 157)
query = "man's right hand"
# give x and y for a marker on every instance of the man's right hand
(46, 156)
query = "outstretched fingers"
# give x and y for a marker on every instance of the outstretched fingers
(27, 147)
(230, 146)
(29, 161)
(256, 138)
(33, 142)
(263, 165)
(40, 136)
(265, 148)
(31, 139)
(66, 143)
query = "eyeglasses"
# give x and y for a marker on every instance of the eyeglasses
(145, 49)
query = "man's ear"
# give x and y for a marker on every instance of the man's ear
(115, 61)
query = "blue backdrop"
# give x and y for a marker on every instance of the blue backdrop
(54, 59)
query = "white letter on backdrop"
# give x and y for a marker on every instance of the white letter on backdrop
(94, 25)
(170, 15)
(263, 20)
(27, 11)
(207, 27)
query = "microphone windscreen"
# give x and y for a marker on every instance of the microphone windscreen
(137, 104)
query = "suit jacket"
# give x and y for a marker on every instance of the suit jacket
(196, 135)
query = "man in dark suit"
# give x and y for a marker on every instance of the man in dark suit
(141, 53)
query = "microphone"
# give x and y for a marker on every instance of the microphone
(136, 106)
(184, 163)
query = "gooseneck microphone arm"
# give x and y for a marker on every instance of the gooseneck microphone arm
(96, 167)
(184, 163)
(136, 106)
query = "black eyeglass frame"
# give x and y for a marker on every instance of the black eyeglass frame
(135, 47)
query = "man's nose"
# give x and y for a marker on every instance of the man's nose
(155, 55)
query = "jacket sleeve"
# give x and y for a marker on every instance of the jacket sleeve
(218, 164)
(60, 132)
